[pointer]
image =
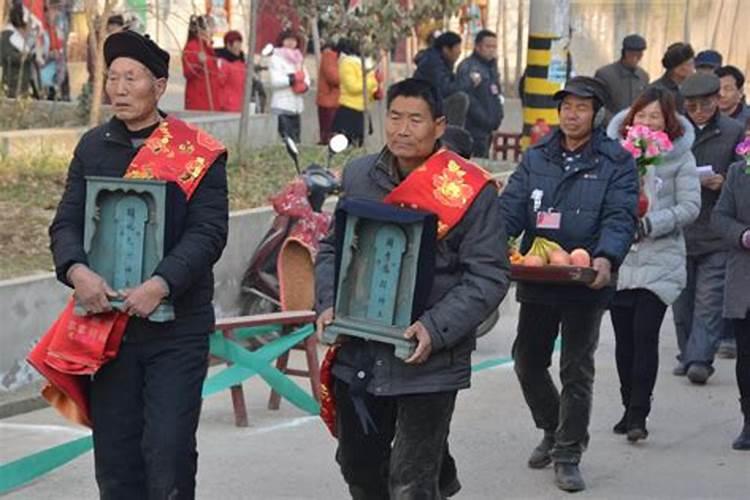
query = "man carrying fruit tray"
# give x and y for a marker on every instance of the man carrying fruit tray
(578, 189)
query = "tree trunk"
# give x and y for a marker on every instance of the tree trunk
(316, 41)
(97, 42)
(364, 96)
(504, 29)
(519, 42)
(249, 75)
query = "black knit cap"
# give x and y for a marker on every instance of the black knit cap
(139, 47)
(676, 54)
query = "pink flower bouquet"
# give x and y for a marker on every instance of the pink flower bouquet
(648, 148)
(743, 149)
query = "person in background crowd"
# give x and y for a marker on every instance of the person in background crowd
(115, 24)
(435, 64)
(480, 80)
(17, 55)
(200, 66)
(731, 217)
(708, 61)
(329, 91)
(552, 195)
(697, 312)
(679, 64)
(625, 79)
(732, 95)
(289, 81)
(654, 272)
(234, 68)
(349, 118)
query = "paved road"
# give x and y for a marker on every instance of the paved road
(286, 455)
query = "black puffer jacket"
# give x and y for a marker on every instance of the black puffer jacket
(470, 281)
(596, 195)
(196, 231)
(432, 67)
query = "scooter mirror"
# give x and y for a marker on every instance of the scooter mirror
(291, 146)
(338, 143)
(267, 50)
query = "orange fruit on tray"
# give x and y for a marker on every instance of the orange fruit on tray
(559, 258)
(580, 257)
(533, 261)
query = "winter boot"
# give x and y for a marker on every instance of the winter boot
(743, 440)
(568, 477)
(540, 458)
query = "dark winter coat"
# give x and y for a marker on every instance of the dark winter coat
(670, 85)
(596, 194)
(432, 67)
(485, 108)
(623, 83)
(470, 280)
(731, 218)
(714, 145)
(196, 230)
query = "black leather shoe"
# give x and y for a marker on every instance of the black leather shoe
(621, 427)
(743, 440)
(568, 477)
(540, 458)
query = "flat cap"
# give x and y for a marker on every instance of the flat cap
(139, 47)
(700, 85)
(634, 42)
(584, 86)
(708, 58)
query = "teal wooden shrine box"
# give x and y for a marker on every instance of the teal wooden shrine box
(124, 232)
(385, 262)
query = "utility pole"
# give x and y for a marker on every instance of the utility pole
(546, 63)
(249, 75)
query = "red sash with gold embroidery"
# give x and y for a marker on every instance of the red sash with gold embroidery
(77, 346)
(446, 185)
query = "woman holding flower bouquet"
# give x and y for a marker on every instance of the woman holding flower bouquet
(654, 272)
(731, 217)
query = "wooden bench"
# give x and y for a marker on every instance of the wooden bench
(229, 344)
(506, 143)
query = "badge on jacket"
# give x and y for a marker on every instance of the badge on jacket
(548, 220)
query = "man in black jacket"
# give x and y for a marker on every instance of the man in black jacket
(579, 188)
(411, 402)
(679, 64)
(479, 78)
(435, 65)
(145, 403)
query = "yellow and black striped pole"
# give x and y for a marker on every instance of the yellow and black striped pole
(546, 64)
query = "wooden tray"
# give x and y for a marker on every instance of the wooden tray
(554, 275)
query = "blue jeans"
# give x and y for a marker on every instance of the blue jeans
(698, 311)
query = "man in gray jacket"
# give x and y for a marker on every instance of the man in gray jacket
(411, 402)
(697, 312)
(625, 79)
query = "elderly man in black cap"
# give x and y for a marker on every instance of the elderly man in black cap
(579, 188)
(625, 79)
(698, 310)
(145, 403)
(679, 64)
